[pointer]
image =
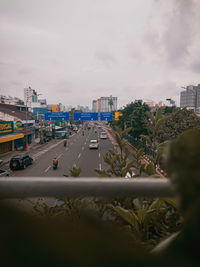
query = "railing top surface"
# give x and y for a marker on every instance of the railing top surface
(22, 187)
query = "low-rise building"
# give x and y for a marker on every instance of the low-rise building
(21, 130)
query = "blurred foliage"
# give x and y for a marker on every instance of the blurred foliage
(183, 167)
(180, 120)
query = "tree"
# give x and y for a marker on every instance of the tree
(152, 139)
(179, 121)
(74, 171)
(119, 163)
(134, 116)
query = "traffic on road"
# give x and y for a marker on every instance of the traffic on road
(84, 147)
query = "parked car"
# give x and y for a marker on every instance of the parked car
(48, 138)
(20, 162)
(93, 144)
(3, 173)
(103, 135)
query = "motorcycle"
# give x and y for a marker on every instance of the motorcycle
(55, 166)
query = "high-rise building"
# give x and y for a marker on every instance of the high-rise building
(190, 98)
(94, 105)
(30, 96)
(106, 104)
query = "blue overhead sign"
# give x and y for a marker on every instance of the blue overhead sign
(86, 116)
(106, 116)
(56, 116)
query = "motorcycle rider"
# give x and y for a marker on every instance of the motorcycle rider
(65, 142)
(55, 162)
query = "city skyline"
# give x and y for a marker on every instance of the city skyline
(76, 52)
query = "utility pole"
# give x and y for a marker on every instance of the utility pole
(26, 126)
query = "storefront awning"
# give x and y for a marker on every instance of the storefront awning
(10, 137)
(61, 131)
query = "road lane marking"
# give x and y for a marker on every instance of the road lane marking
(67, 148)
(85, 143)
(47, 168)
(99, 155)
(60, 156)
(79, 155)
(99, 166)
(82, 147)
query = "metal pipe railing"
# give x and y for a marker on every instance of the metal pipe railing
(25, 187)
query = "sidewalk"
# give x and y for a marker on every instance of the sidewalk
(7, 156)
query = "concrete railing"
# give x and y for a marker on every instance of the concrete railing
(25, 187)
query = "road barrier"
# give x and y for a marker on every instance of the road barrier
(25, 187)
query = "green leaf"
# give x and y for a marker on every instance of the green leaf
(158, 114)
(146, 138)
(102, 173)
(171, 201)
(159, 153)
(151, 117)
(150, 169)
(129, 216)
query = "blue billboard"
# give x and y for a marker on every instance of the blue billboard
(106, 116)
(86, 116)
(56, 116)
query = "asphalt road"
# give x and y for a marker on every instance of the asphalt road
(76, 152)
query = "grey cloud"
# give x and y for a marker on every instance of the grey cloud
(76, 51)
(152, 38)
(196, 66)
(17, 83)
(105, 57)
(62, 87)
(25, 71)
(179, 34)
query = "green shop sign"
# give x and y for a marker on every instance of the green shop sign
(18, 124)
(6, 127)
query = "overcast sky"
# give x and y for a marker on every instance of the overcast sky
(74, 51)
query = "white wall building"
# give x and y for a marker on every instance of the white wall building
(106, 104)
(30, 96)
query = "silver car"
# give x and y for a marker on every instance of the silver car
(103, 135)
(93, 144)
(3, 173)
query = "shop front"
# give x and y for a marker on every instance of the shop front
(8, 137)
(27, 128)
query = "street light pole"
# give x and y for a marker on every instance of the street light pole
(26, 127)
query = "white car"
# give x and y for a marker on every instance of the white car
(93, 144)
(103, 135)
